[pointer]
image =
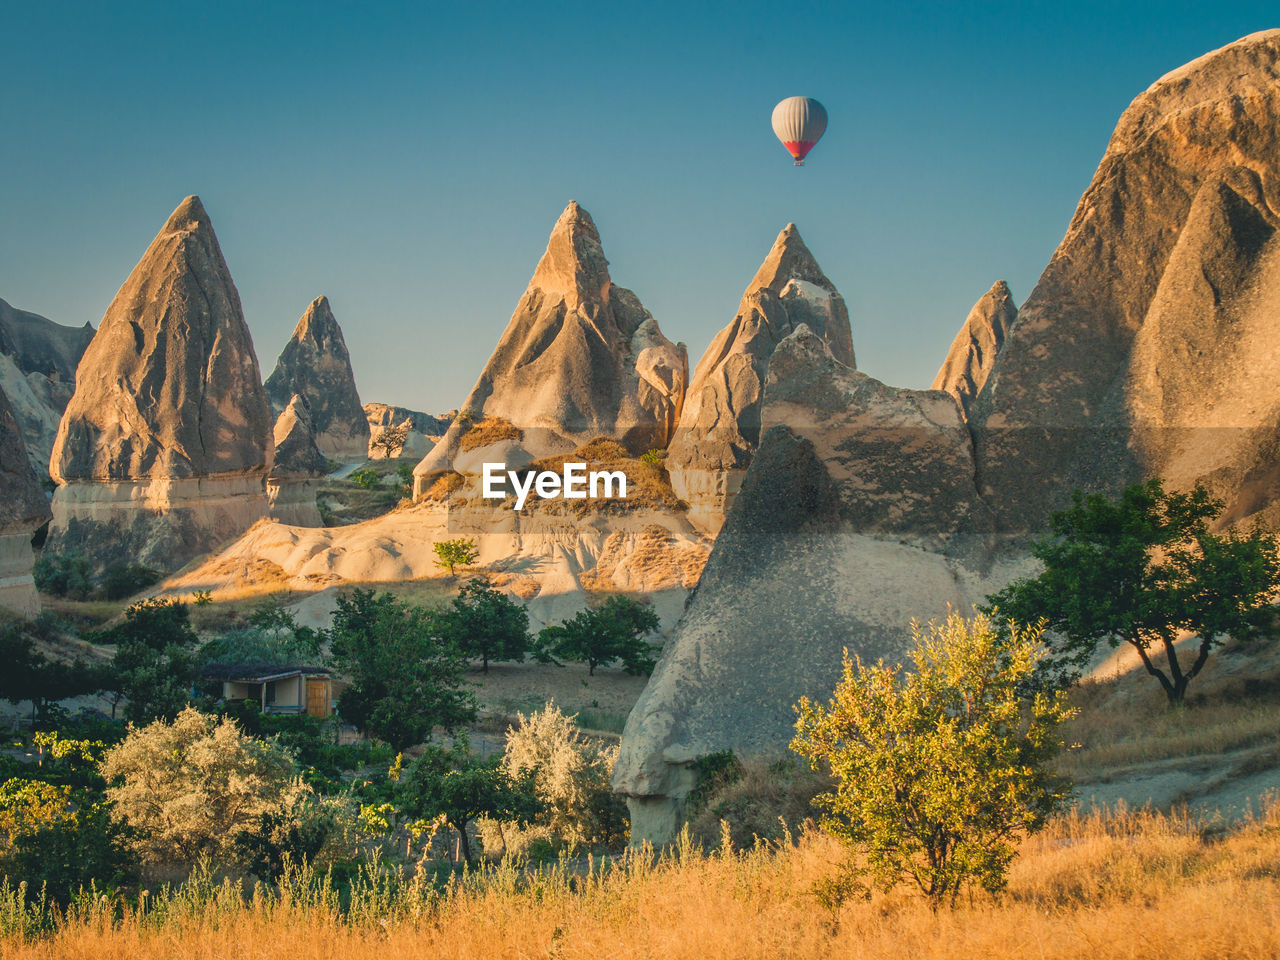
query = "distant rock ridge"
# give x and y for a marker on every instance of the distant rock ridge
(421, 431)
(23, 508)
(973, 352)
(720, 425)
(316, 364)
(38, 360)
(294, 479)
(164, 447)
(580, 358)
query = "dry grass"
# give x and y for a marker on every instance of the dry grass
(444, 486)
(487, 431)
(1128, 722)
(1134, 887)
(647, 484)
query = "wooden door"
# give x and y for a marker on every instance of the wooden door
(317, 697)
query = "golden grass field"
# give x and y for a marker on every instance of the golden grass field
(1128, 886)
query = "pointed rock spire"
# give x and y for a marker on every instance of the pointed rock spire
(720, 425)
(973, 352)
(315, 363)
(580, 358)
(296, 452)
(169, 386)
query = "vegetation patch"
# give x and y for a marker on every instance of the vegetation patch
(487, 431)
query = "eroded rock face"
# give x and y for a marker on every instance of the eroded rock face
(973, 352)
(23, 508)
(163, 449)
(38, 360)
(1146, 347)
(295, 474)
(315, 363)
(720, 426)
(580, 358)
(858, 513)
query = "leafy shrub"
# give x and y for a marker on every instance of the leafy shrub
(122, 580)
(64, 575)
(459, 552)
(367, 479)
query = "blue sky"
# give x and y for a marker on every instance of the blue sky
(409, 160)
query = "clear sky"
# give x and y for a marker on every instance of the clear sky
(409, 160)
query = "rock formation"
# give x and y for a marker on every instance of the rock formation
(420, 431)
(720, 426)
(973, 352)
(163, 449)
(315, 364)
(23, 508)
(580, 358)
(1146, 347)
(295, 474)
(857, 513)
(38, 360)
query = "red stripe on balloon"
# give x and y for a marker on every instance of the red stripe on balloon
(799, 148)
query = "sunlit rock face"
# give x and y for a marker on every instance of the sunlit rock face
(719, 427)
(580, 358)
(23, 508)
(315, 363)
(974, 350)
(163, 450)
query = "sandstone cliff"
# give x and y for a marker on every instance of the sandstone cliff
(23, 508)
(973, 352)
(420, 431)
(580, 358)
(720, 425)
(315, 363)
(163, 449)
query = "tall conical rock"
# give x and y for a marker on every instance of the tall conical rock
(315, 363)
(294, 479)
(580, 358)
(23, 508)
(973, 352)
(1147, 347)
(720, 426)
(164, 447)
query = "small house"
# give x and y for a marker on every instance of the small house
(278, 688)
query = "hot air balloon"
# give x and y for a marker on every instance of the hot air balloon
(799, 123)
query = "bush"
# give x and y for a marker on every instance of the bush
(122, 580)
(456, 553)
(616, 630)
(64, 575)
(938, 773)
(367, 479)
(189, 788)
(570, 775)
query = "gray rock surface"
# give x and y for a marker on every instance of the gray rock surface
(973, 352)
(23, 508)
(164, 447)
(580, 358)
(858, 513)
(720, 425)
(315, 363)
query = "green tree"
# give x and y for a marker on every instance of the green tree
(403, 679)
(122, 580)
(272, 636)
(1145, 568)
(29, 675)
(940, 771)
(484, 623)
(367, 479)
(456, 784)
(614, 631)
(64, 575)
(154, 664)
(456, 553)
(191, 787)
(60, 839)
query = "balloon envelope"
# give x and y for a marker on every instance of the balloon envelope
(799, 123)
